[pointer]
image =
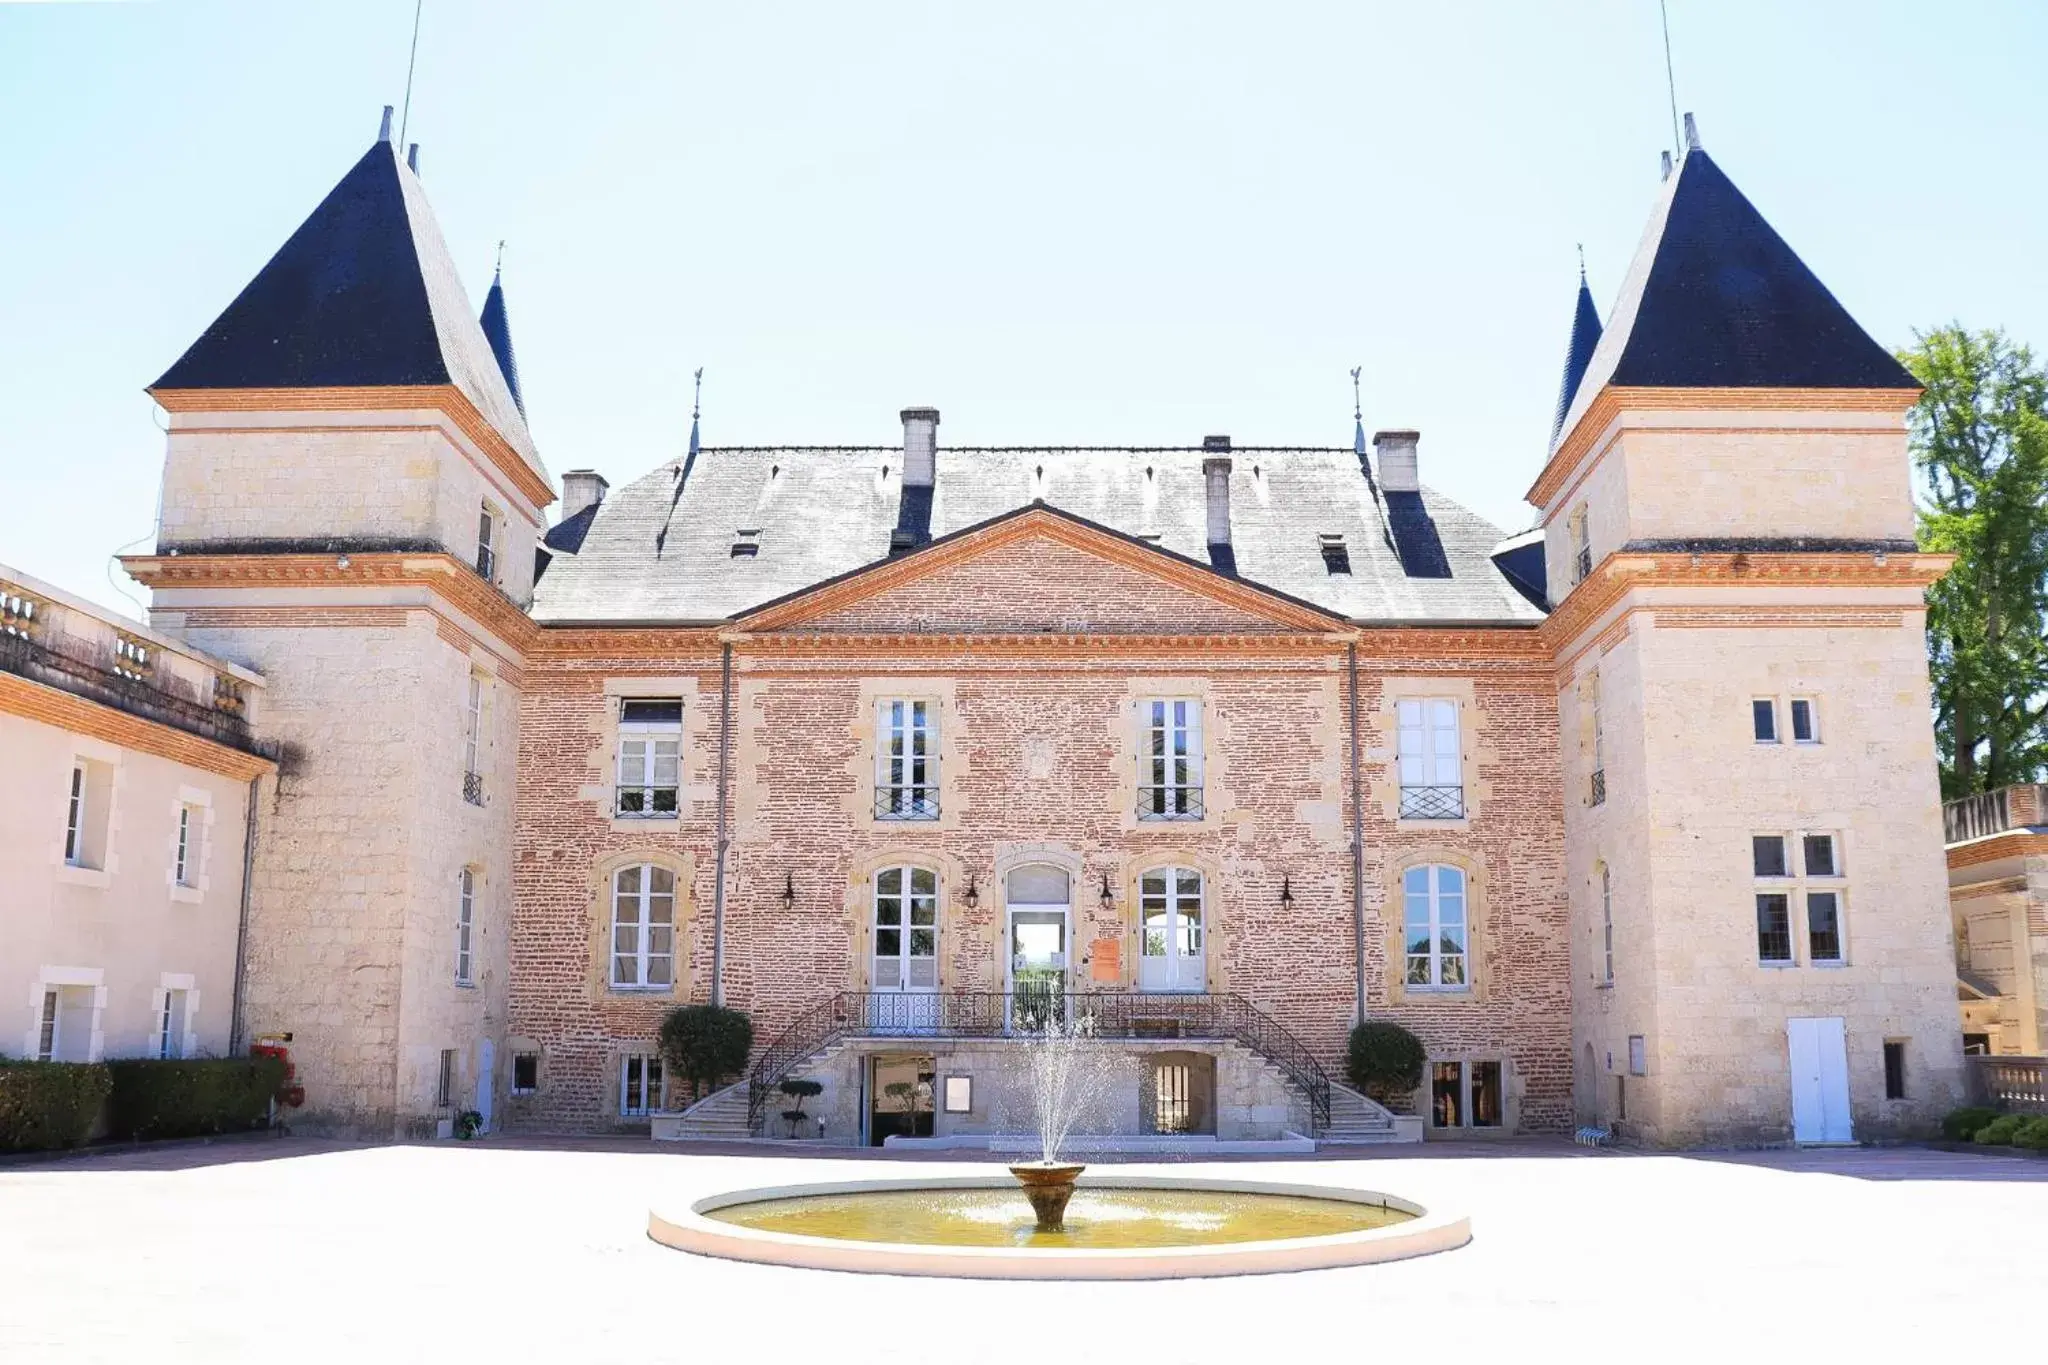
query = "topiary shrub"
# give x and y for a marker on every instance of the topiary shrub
(48, 1105)
(176, 1098)
(1962, 1124)
(798, 1090)
(704, 1044)
(1999, 1132)
(2033, 1134)
(1383, 1059)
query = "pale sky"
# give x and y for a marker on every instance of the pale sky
(1061, 223)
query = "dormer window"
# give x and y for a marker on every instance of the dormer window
(746, 542)
(1336, 555)
(487, 544)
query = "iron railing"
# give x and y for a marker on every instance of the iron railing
(1169, 803)
(1106, 1015)
(1598, 792)
(645, 803)
(907, 803)
(473, 788)
(1432, 803)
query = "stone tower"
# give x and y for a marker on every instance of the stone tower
(351, 504)
(1761, 946)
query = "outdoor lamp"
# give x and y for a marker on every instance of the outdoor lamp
(971, 897)
(788, 891)
(1108, 901)
(1286, 892)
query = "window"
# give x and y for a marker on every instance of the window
(525, 1073)
(1431, 787)
(1820, 855)
(1824, 926)
(650, 758)
(46, 1036)
(1582, 546)
(1805, 722)
(1171, 956)
(472, 743)
(1597, 794)
(1336, 555)
(640, 1084)
(487, 544)
(1638, 1056)
(1763, 718)
(907, 761)
(1773, 927)
(74, 820)
(1894, 1069)
(185, 866)
(444, 1085)
(86, 809)
(1767, 854)
(1170, 760)
(1433, 916)
(170, 1033)
(1606, 926)
(1465, 1095)
(643, 928)
(465, 923)
(906, 929)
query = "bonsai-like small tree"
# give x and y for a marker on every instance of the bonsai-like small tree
(912, 1099)
(704, 1044)
(1384, 1059)
(799, 1091)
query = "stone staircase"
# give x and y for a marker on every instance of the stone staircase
(721, 1116)
(1356, 1120)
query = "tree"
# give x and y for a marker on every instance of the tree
(1980, 439)
(1384, 1060)
(704, 1044)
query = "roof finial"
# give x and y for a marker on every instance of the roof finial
(384, 126)
(1692, 133)
(696, 406)
(498, 267)
(1582, 261)
(1357, 407)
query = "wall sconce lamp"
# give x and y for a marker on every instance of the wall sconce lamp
(971, 897)
(1286, 892)
(788, 892)
(1108, 900)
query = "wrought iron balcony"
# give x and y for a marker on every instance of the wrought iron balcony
(907, 803)
(1170, 803)
(1598, 794)
(473, 788)
(1432, 803)
(645, 803)
(1105, 1015)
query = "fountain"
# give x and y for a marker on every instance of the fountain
(1113, 1227)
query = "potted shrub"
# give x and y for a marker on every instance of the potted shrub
(799, 1091)
(1383, 1060)
(704, 1044)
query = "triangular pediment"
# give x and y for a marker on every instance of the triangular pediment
(1038, 571)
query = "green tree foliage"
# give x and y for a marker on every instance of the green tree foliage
(1383, 1060)
(1980, 438)
(704, 1044)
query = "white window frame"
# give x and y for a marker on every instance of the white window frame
(1798, 884)
(644, 747)
(55, 981)
(1185, 950)
(638, 940)
(49, 1023)
(465, 927)
(174, 1021)
(651, 1083)
(1429, 737)
(1770, 705)
(1170, 758)
(1466, 1065)
(185, 865)
(1435, 895)
(473, 738)
(74, 817)
(909, 903)
(1607, 923)
(487, 556)
(906, 736)
(1812, 707)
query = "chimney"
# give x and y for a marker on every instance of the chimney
(412, 158)
(1396, 451)
(1216, 445)
(920, 447)
(1692, 133)
(384, 128)
(1665, 174)
(581, 488)
(1216, 471)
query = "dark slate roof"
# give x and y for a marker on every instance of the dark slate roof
(1521, 559)
(363, 295)
(1578, 353)
(1716, 299)
(498, 332)
(661, 548)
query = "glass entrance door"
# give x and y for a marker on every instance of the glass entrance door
(1171, 956)
(1038, 965)
(906, 930)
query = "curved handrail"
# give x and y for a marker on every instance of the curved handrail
(997, 1014)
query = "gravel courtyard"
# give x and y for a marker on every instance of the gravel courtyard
(303, 1250)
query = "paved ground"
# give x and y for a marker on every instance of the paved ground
(300, 1250)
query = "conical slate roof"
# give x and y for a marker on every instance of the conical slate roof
(1578, 353)
(498, 332)
(1716, 299)
(363, 295)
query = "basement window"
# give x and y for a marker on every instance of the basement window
(1336, 556)
(1894, 1069)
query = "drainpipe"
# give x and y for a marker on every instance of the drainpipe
(724, 766)
(242, 924)
(1357, 845)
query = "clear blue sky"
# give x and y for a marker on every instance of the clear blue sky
(1058, 222)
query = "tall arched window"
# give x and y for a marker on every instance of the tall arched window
(1171, 931)
(1435, 927)
(906, 929)
(643, 927)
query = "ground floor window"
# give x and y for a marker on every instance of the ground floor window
(525, 1073)
(1465, 1094)
(1894, 1069)
(640, 1084)
(170, 1033)
(901, 1091)
(444, 1086)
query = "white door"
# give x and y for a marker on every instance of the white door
(486, 1066)
(906, 930)
(1171, 950)
(1820, 1079)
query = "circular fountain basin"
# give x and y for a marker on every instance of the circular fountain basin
(1117, 1227)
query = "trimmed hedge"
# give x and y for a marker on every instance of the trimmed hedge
(47, 1105)
(1999, 1132)
(2033, 1134)
(1383, 1059)
(1962, 1124)
(174, 1099)
(703, 1044)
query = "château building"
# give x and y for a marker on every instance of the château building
(1218, 746)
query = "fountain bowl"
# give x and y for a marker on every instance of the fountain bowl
(1049, 1185)
(696, 1227)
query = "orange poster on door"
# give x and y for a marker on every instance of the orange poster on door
(1106, 960)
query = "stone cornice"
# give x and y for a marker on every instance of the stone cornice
(1619, 573)
(445, 398)
(1612, 401)
(78, 715)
